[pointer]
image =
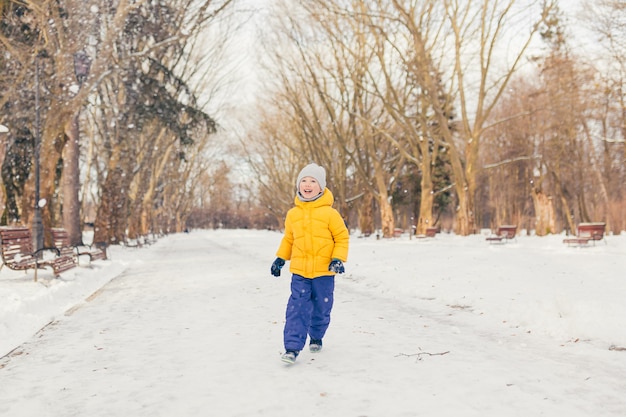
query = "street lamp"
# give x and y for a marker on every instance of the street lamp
(4, 131)
(37, 222)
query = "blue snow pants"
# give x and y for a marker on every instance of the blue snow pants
(308, 310)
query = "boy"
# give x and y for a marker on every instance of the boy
(316, 243)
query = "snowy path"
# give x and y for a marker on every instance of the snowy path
(194, 328)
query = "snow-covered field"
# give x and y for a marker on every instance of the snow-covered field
(450, 326)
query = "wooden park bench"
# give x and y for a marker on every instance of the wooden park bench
(432, 231)
(503, 234)
(62, 242)
(587, 232)
(429, 232)
(140, 240)
(150, 238)
(18, 253)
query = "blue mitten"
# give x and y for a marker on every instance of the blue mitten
(277, 266)
(336, 266)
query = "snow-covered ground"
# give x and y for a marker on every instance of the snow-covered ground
(450, 326)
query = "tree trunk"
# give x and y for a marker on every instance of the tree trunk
(386, 217)
(462, 226)
(112, 216)
(427, 197)
(112, 213)
(52, 142)
(386, 210)
(545, 222)
(366, 215)
(146, 215)
(425, 219)
(560, 191)
(71, 183)
(471, 175)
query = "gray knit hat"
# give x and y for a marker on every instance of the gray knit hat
(315, 171)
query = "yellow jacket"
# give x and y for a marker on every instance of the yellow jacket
(315, 233)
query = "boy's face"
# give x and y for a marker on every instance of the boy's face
(309, 187)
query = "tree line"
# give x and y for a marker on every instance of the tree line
(434, 113)
(438, 113)
(114, 95)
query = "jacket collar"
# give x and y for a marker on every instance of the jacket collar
(327, 199)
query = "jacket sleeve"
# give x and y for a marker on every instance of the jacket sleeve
(341, 236)
(286, 244)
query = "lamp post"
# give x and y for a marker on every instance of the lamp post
(37, 222)
(4, 131)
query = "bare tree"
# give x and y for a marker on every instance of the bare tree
(605, 129)
(478, 35)
(166, 128)
(274, 155)
(358, 121)
(323, 77)
(133, 47)
(402, 46)
(515, 189)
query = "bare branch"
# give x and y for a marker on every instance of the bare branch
(420, 354)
